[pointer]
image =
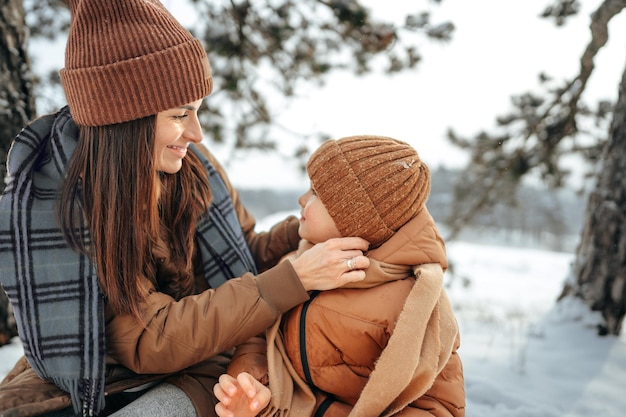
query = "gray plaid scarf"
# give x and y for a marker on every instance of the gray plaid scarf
(54, 290)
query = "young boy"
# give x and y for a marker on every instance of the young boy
(385, 346)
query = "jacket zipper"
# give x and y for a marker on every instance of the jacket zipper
(304, 359)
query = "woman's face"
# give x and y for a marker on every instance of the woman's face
(175, 129)
(316, 225)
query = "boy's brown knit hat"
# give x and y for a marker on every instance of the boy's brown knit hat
(128, 59)
(370, 185)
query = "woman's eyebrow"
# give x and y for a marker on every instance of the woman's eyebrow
(188, 107)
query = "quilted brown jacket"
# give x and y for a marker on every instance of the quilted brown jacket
(390, 349)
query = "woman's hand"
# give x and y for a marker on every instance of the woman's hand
(332, 264)
(240, 397)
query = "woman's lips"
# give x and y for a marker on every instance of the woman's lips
(180, 150)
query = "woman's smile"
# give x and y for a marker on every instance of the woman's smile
(180, 151)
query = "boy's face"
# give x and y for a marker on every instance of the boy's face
(316, 225)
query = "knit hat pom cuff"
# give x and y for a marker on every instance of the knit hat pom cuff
(139, 87)
(370, 185)
(352, 211)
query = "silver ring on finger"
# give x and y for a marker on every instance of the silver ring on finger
(351, 264)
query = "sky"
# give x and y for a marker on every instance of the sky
(523, 356)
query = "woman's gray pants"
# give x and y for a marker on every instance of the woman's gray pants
(164, 400)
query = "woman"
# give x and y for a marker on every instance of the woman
(131, 264)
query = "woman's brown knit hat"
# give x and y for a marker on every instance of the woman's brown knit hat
(128, 59)
(370, 185)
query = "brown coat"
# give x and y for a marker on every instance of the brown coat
(390, 349)
(184, 339)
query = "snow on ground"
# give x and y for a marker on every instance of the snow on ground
(524, 355)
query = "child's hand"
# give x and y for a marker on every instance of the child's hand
(241, 397)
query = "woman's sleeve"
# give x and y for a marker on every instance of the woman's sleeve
(174, 335)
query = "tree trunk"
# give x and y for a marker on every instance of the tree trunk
(600, 264)
(17, 102)
(17, 107)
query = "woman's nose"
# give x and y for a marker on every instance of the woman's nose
(193, 132)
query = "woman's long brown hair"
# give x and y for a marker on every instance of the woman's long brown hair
(111, 187)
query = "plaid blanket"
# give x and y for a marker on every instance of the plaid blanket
(54, 291)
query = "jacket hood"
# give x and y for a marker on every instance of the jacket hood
(417, 242)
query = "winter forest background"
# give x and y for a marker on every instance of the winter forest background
(511, 104)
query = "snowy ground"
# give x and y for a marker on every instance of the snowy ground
(523, 356)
